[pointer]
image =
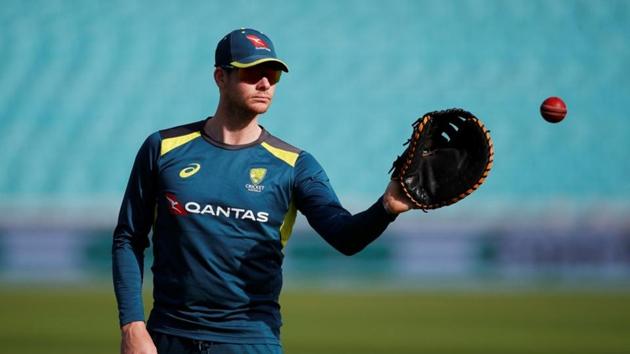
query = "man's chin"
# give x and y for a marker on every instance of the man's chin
(259, 108)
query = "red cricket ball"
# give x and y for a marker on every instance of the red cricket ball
(553, 109)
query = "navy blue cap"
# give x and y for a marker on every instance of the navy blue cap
(244, 48)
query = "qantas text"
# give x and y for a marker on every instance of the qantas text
(228, 212)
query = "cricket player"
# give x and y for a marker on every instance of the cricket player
(221, 196)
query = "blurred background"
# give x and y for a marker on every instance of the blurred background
(536, 261)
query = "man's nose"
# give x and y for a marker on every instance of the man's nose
(264, 83)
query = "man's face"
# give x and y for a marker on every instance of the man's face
(251, 89)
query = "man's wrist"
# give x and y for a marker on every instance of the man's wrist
(388, 211)
(133, 325)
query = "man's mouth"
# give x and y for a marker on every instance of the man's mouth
(261, 98)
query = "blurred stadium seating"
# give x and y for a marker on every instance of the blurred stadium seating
(83, 83)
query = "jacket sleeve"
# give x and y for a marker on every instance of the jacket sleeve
(131, 235)
(316, 199)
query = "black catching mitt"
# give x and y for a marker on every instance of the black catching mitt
(448, 156)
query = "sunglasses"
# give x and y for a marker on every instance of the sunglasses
(254, 74)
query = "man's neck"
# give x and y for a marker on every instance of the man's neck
(232, 131)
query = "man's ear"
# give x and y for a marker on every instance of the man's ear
(220, 77)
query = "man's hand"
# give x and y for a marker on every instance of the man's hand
(136, 339)
(394, 200)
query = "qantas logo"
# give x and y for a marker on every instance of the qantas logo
(257, 42)
(176, 208)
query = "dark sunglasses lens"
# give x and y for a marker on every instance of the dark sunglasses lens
(253, 75)
(274, 76)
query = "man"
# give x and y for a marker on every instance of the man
(221, 196)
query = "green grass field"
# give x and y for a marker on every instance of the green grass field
(70, 321)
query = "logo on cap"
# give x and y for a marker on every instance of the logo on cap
(257, 42)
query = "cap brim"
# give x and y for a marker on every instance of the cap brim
(241, 65)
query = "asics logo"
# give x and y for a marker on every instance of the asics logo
(190, 170)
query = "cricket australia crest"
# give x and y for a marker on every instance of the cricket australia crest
(256, 176)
